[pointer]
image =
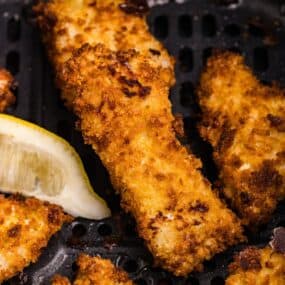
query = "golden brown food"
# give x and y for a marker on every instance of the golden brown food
(121, 99)
(122, 103)
(244, 121)
(255, 266)
(95, 271)
(6, 96)
(26, 225)
(60, 280)
(119, 24)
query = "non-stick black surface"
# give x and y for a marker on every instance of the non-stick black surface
(190, 31)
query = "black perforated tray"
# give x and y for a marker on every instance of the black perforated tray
(190, 31)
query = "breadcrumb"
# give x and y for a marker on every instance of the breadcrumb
(244, 120)
(95, 271)
(117, 81)
(26, 225)
(6, 84)
(69, 24)
(255, 266)
(125, 114)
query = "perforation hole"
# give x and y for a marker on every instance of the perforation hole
(256, 29)
(130, 229)
(260, 59)
(187, 94)
(207, 52)
(266, 82)
(141, 282)
(161, 27)
(209, 26)
(131, 266)
(228, 2)
(164, 281)
(64, 129)
(218, 281)
(60, 102)
(185, 26)
(235, 50)
(210, 265)
(104, 230)
(13, 107)
(232, 30)
(282, 10)
(79, 231)
(186, 60)
(14, 29)
(74, 266)
(13, 62)
(281, 224)
(192, 281)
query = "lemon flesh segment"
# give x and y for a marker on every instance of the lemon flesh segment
(35, 162)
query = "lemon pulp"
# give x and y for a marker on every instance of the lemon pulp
(35, 162)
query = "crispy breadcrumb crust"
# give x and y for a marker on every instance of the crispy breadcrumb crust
(125, 114)
(244, 120)
(68, 24)
(255, 266)
(26, 225)
(95, 271)
(6, 84)
(121, 98)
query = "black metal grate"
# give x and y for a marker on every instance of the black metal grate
(190, 31)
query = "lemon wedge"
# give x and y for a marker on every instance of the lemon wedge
(35, 162)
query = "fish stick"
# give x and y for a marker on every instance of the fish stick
(95, 271)
(255, 266)
(124, 112)
(6, 84)
(26, 226)
(119, 24)
(119, 90)
(244, 120)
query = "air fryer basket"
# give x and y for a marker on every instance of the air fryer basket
(190, 31)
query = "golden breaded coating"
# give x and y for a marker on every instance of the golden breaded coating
(121, 98)
(26, 225)
(95, 271)
(119, 24)
(255, 266)
(122, 102)
(6, 96)
(244, 121)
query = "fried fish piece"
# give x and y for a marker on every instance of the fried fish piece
(244, 120)
(95, 271)
(254, 266)
(26, 225)
(121, 99)
(6, 84)
(119, 24)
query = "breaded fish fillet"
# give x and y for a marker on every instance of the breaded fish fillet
(121, 99)
(119, 24)
(26, 225)
(6, 96)
(244, 121)
(95, 271)
(254, 266)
